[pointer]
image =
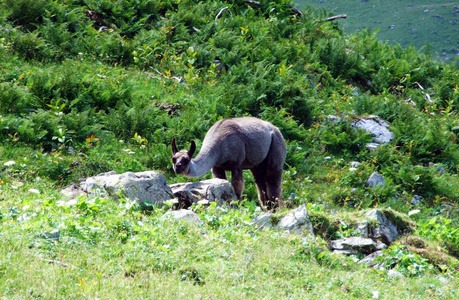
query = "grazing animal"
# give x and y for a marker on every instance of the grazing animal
(235, 145)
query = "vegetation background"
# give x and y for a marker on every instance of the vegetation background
(430, 26)
(89, 86)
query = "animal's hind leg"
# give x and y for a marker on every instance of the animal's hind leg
(273, 181)
(259, 176)
(218, 173)
(237, 181)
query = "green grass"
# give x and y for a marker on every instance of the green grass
(418, 23)
(111, 250)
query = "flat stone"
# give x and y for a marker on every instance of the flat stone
(360, 244)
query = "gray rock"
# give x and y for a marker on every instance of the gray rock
(384, 230)
(380, 245)
(296, 222)
(345, 252)
(142, 187)
(377, 127)
(372, 146)
(214, 190)
(369, 260)
(183, 214)
(262, 221)
(360, 244)
(394, 274)
(376, 179)
(355, 164)
(416, 199)
(73, 191)
(361, 228)
(53, 235)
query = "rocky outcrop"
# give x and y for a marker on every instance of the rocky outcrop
(150, 187)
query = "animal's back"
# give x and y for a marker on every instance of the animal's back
(243, 140)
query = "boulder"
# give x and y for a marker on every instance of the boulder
(377, 127)
(143, 187)
(296, 222)
(358, 244)
(384, 230)
(217, 190)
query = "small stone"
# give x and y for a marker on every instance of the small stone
(376, 179)
(413, 212)
(416, 199)
(369, 260)
(53, 235)
(394, 274)
(183, 214)
(355, 164)
(442, 279)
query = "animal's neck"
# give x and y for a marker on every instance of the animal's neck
(200, 165)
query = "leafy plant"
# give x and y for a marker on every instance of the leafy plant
(409, 264)
(442, 230)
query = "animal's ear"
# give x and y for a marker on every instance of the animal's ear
(174, 146)
(192, 149)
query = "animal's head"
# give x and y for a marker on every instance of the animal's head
(181, 159)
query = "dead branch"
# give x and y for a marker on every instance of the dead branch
(422, 92)
(221, 12)
(334, 18)
(296, 11)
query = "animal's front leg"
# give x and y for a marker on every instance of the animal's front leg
(237, 181)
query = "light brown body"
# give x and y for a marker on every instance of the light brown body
(235, 145)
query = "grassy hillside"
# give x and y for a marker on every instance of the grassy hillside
(418, 23)
(97, 85)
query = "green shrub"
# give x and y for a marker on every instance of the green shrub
(442, 230)
(26, 12)
(341, 138)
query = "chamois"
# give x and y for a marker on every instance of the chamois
(235, 145)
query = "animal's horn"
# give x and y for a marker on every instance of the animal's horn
(174, 146)
(192, 149)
